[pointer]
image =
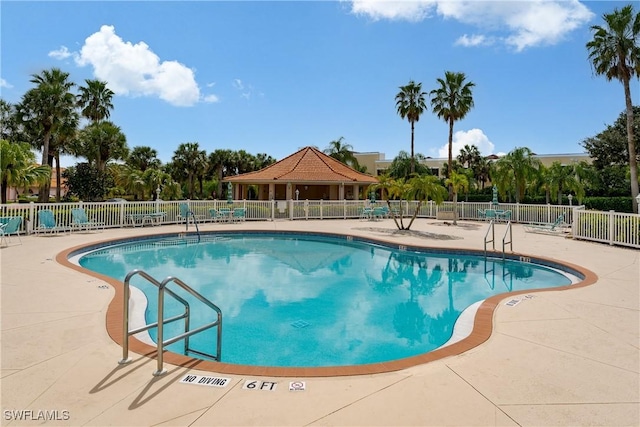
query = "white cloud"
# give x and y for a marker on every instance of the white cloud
(4, 83)
(211, 98)
(471, 137)
(135, 70)
(62, 53)
(237, 83)
(474, 40)
(518, 24)
(413, 11)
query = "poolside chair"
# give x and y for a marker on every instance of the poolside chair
(47, 222)
(556, 227)
(12, 226)
(79, 219)
(365, 213)
(490, 214)
(238, 214)
(378, 213)
(214, 215)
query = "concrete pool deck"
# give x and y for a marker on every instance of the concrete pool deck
(560, 358)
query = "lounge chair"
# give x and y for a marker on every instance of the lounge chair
(556, 227)
(238, 214)
(365, 213)
(47, 222)
(378, 213)
(79, 219)
(214, 215)
(11, 226)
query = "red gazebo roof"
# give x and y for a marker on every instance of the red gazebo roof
(308, 165)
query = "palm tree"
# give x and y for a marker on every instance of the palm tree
(457, 182)
(410, 105)
(423, 188)
(43, 109)
(515, 170)
(17, 167)
(95, 100)
(402, 165)
(189, 159)
(100, 142)
(342, 152)
(564, 178)
(61, 140)
(615, 52)
(144, 158)
(451, 102)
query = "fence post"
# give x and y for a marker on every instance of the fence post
(611, 226)
(321, 208)
(32, 216)
(273, 210)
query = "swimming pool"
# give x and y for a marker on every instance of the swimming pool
(309, 300)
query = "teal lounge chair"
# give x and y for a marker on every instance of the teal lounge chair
(47, 222)
(12, 226)
(80, 220)
(556, 227)
(239, 214)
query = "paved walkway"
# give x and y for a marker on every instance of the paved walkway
(562, 358)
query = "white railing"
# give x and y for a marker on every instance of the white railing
(608, 227)
(611, 227)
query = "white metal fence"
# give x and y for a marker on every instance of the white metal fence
(608, 227)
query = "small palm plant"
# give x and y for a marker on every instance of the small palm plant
(458, 182)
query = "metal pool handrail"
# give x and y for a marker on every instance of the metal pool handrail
(162, 288)
(504, 238)
(493, 237)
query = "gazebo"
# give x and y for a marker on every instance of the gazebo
(306, 174)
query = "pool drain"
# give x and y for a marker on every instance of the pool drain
(300, 324)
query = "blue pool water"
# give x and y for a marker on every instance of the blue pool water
(299, 300)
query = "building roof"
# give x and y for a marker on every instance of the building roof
(306, 165)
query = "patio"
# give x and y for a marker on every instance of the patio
(559, 358)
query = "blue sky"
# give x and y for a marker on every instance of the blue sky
(274, 76)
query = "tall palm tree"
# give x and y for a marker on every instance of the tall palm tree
(410, 105)
(188, 158)
(61, 140)
(342, 152)
(458, 182)
(615, 53)
(100, 142)
(43, 108)
(451, 102)
(95, 100)
(144, 158)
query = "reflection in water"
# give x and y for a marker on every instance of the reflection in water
(315, 301)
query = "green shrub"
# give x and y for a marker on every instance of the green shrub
(618, 204)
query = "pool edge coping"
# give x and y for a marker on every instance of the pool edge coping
(480, 332)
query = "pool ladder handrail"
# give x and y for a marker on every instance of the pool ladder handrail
(491, 229)
(195, 222)
(161, 343)
(509, 232)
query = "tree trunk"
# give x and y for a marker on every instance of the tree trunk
(58, 178)
(3, 189)
(413, 160)
(633, 165)
(455, 208)
(415, 214)
(450, 165)
(43, 195)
